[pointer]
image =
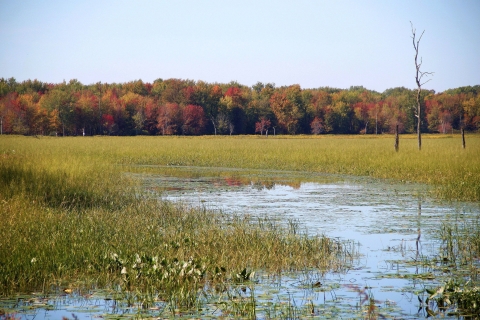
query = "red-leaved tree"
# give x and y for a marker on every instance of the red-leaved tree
(262, 125)
(193, 120)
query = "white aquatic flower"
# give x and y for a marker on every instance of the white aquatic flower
(154, 267)
(114, 256)
(33, 260)
(124, 270)
(137, 258)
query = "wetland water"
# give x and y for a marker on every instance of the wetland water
(391, 227)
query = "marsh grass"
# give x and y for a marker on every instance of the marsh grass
(460, 242)
(453, 172)
(459, 253)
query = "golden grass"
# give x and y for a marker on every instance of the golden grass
(452, 171)
(442, 163)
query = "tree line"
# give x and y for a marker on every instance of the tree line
(187, 107)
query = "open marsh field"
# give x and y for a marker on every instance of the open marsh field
(278, 227)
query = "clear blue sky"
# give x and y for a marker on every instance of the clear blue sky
(311, 43)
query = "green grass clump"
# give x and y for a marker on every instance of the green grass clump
(458, 258)
(461, 242)
(72, 219)
(144, 247)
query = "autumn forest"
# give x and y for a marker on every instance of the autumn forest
(186, 107)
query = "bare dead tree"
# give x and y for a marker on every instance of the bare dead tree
(418, 79)
(397, 141)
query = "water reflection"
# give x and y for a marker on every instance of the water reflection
(258, 184)
(417, 242)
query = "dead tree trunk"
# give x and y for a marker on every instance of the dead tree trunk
(418, 79)
(419, 120)
(396, 138)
